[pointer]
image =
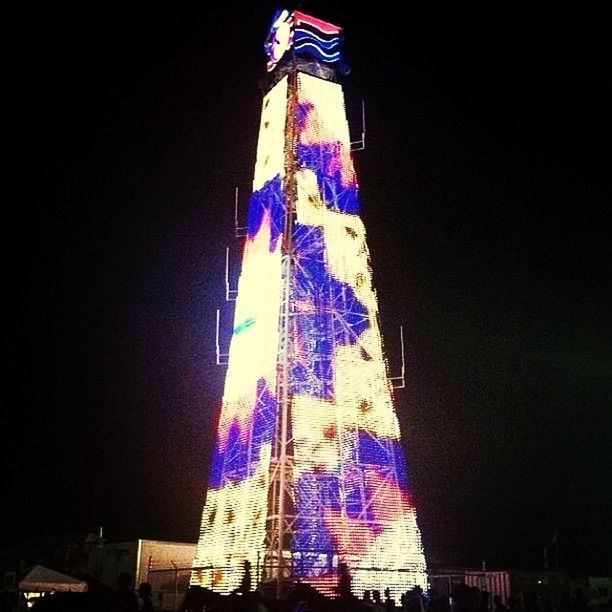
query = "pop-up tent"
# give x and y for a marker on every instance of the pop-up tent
(43, 579)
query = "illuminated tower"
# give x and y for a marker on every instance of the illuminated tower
(308, 470)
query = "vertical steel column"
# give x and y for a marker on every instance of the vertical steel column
(280, 517)
(286, 460)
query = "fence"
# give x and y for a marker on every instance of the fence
(170, 585)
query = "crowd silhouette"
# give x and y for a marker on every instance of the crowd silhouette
(304, 598)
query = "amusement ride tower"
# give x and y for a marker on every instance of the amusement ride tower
(308, 474)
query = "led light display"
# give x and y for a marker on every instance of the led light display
(306, 344)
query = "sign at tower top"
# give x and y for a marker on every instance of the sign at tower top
(303, 36)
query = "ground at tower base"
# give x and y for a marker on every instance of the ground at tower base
(102, 565)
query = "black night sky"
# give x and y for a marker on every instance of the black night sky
(482, 190)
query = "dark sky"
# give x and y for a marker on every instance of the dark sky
(483, 193)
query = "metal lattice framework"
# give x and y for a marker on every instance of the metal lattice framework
(308, 469)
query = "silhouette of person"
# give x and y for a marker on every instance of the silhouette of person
(145, 603)
(245, 583)
(413, 600)
(389, 602)
(124, 599)
(498, 604)
(513, 604)
(344, 582)
(378, 604)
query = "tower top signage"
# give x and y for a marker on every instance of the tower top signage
(297, 34)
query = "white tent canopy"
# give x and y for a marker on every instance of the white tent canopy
(44, 579)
